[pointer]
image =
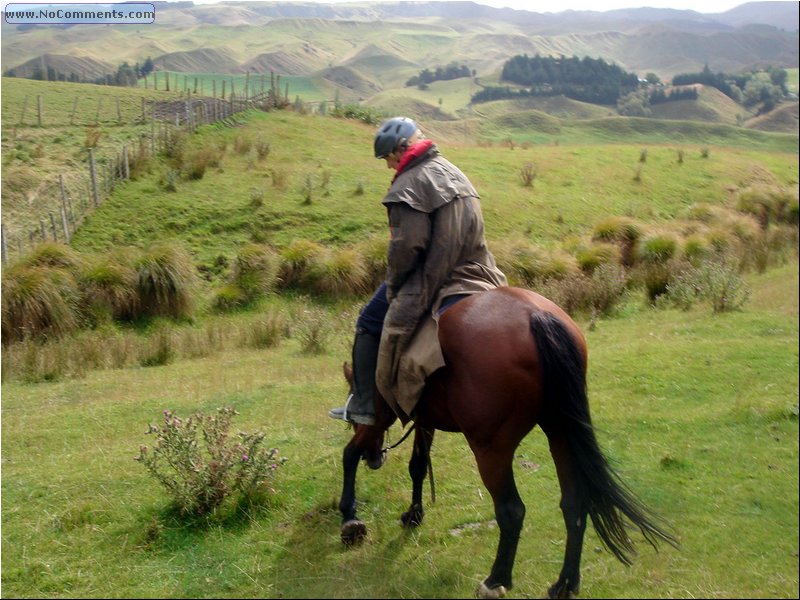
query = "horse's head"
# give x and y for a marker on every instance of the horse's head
(348, 374)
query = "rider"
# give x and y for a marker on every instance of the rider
(437, 254)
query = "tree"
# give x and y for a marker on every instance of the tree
(652, 78)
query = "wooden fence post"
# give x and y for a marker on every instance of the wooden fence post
(64, 224)
(72, 115)
(53, 227)
(24, 108)
(65, 201)
(4, 243)
(93, 177)
(39, 110)
(126, 169)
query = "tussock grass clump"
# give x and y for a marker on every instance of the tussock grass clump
(768, 204)
(658, 248)
(228, 297)
(697, 248)
(298, 260)
(255, 270)
(39, 302)
(340, 273)
(624, 232)
(592, 256)
(165, 281)
(53, 254)
(110, 287)
(528, 265)
(375, 251)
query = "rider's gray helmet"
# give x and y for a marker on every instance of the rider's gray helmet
(393, 133)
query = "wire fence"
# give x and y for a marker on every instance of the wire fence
(64, 202)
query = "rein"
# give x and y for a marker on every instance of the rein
(427, 453)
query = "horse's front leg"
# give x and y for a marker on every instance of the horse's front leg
(418, 468)
(353, 529)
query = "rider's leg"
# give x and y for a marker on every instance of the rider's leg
(360, 406)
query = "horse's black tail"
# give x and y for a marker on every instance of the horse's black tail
(566, 411)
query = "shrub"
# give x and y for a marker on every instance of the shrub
(596, 294)
(266, 331)
(718, 281)
(242, 144)
(195, 165)
(263, 149)
(527, 174)
(165, 281)
(160, 349)
(314, 330)
(200, 463)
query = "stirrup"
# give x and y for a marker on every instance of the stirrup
(346, 415)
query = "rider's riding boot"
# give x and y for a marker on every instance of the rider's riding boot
(360, 405)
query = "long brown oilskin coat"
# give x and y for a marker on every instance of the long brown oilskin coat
(437, 249)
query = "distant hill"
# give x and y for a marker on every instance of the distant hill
(785, 118)
(366, 52)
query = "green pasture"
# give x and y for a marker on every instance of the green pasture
(698, 412)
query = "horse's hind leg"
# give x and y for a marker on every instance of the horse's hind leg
(417, 468)
(575, 513)
(497, 473)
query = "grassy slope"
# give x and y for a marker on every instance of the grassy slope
(576, 187)
(697, 411)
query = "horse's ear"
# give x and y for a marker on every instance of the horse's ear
(348, 372)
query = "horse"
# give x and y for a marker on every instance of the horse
(514, 359)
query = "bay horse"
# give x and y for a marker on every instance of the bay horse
(514, 359)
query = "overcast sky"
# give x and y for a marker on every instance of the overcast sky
(703, 6)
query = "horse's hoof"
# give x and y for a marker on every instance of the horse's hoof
(561, 591)
(484, 591)
(413, 517)
(375, 461)
(353, 532)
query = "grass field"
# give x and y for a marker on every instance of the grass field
(698, 412)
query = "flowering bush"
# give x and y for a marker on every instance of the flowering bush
(201, 473)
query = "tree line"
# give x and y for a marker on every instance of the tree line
(585, 79)
(451, 71)
(767, 87)
(125, 76)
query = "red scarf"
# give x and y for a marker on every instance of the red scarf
(413, 153)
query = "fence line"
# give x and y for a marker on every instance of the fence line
(82, 194)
